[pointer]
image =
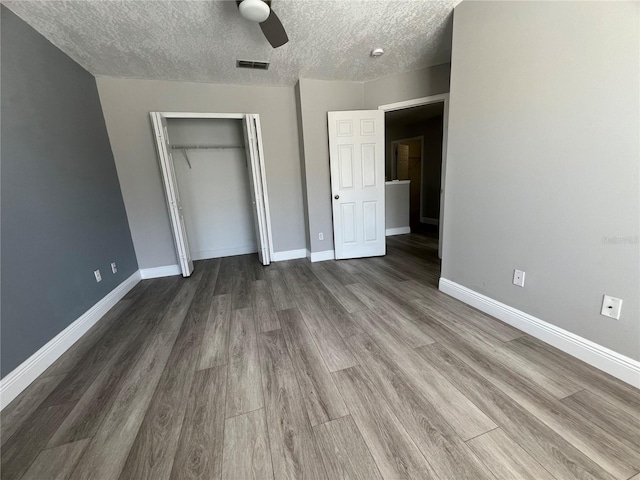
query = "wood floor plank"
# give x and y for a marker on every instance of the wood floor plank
(607, 416)
(246, 452)
(56, 463)
(467, 419)
(497, 329)
(256, 270)
(177, 310)
(227, 272)
(94, 405)
(390, 445)
(546, 446)
(343, 451)
(293, 449)
(315, 293)
(69, 359)
(447, 453)
(377, 270)
(138, 290)
(214, 350)
(403, 326)
(96, 402)
(505, 458)
(295, 279)
(350, 303)
(392, 290)
(342, 275)
(330, 344)
(200, 449)
(607, 451)
(320, 395)
(242, 285)
(19, 451)
(106, 454)
(609, 388)
(14, 414)
(263, 306)
(282, 298)
(243, 389)
(548, 379)
(137, 318)
(152, 452)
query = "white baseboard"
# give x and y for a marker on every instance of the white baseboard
(225, 252)
(429, 221)
(20, 378)
(321, 256)
(397, 231)
(157, 272)
(613, 363)
(289, 255)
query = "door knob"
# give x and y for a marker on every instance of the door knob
(337, 197)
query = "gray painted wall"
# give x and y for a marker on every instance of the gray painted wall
(303, 172)
(317, 97)
(62, 210)
(127, 103)
(543, 161)
(397, 206)
(407, 86)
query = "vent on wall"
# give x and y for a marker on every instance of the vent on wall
(252, 64)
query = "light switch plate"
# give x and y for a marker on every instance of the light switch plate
(611, 307)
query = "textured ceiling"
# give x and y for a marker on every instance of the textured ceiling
(201, 40)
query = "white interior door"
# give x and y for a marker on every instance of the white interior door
(173, 195)
(257, 180)
(356, 157)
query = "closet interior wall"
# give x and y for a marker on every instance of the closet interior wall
(214, 187)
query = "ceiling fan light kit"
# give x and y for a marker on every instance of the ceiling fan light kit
(254, 10)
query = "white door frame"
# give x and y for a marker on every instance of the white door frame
(416, 102)
(236, 116)
(421, 138)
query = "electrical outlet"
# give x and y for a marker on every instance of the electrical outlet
(114, 268)
(611, 307)
(98, 276)
(518, 278)
(321, 236)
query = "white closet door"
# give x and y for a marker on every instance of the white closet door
(173, 195)
(356, 158)
(255, 167)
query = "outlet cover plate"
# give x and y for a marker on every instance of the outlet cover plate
(611, 307)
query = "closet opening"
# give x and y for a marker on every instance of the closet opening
(215, 185)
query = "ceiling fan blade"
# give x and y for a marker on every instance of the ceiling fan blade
(274, 31)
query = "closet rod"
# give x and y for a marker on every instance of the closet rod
(204, 147)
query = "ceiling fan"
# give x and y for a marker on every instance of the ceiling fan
(260, 11)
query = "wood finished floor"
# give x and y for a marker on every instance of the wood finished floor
(356, 369)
